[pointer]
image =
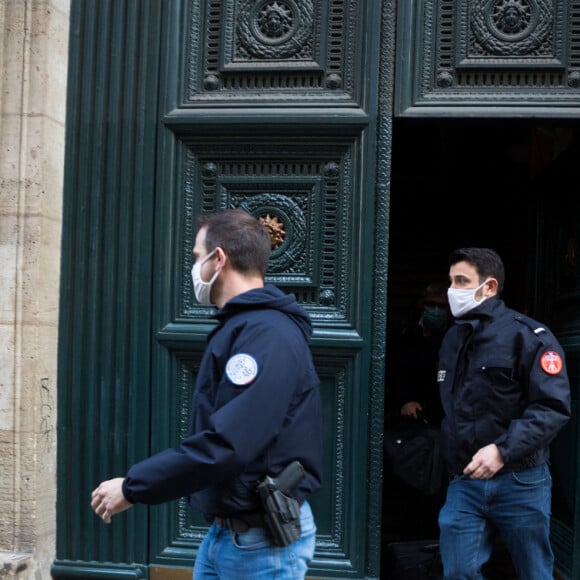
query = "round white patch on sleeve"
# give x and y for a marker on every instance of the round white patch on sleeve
(242, 369)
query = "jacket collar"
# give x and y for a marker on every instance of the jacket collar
(488, 309)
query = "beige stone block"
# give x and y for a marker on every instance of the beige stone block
(37, 399)
(7, 511)
(38, 272)
(33, 57)
(47, 279)
(8, 260)
(31, 179)
(2, 34)
(13, 47)
(57, 67)
(47, 64)
(10, 164)
(49, 150)
(7, 371)
(34, 61)
(63, 6)
(30, 166)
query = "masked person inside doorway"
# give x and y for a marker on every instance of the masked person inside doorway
(416, 354)
(415, 490)
(505, 395)
(256, 410)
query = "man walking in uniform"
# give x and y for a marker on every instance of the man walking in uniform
(256, 409)
(505, 396)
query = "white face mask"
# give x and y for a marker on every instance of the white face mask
(201, 289)
(462, 301)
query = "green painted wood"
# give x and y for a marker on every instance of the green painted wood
(171, 114)
(80, 570)
(308, 153)
(475, 58)
(105, 325)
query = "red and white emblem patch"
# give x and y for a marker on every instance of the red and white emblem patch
(551, 362)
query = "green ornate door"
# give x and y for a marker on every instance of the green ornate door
(283, 108)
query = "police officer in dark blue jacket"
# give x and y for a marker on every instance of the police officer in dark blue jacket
(505, 395)
(256, 408)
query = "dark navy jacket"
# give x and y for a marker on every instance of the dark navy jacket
(240, 432)
(494, 388)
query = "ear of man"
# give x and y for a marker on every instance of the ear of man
(491, 287)
(221, 257)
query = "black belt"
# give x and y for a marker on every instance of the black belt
(241, 522)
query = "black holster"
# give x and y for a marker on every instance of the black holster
(281, 510)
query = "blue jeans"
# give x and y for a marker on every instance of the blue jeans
(251, 556)
(517, 505)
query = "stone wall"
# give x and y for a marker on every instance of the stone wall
(33, 67)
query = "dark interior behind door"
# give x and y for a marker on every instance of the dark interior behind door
(508, 187)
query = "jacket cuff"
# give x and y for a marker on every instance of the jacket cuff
(127, 492)
(501, 447)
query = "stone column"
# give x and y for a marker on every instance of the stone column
(33, 68)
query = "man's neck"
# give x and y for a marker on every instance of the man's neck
(235, 284)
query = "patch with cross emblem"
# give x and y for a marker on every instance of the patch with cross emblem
(551, 362)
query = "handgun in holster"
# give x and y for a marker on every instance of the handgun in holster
(281, 510)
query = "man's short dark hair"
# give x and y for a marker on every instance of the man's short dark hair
(241, 236)
(486, 262)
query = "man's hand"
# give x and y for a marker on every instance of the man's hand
(410, 409)
(108, 499)
(485, 463)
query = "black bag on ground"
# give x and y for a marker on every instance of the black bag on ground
(412, 453)
(413, 560)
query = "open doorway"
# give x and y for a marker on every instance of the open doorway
(467, 184)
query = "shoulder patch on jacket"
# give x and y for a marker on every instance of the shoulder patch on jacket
(551, 362)
(241, 369)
